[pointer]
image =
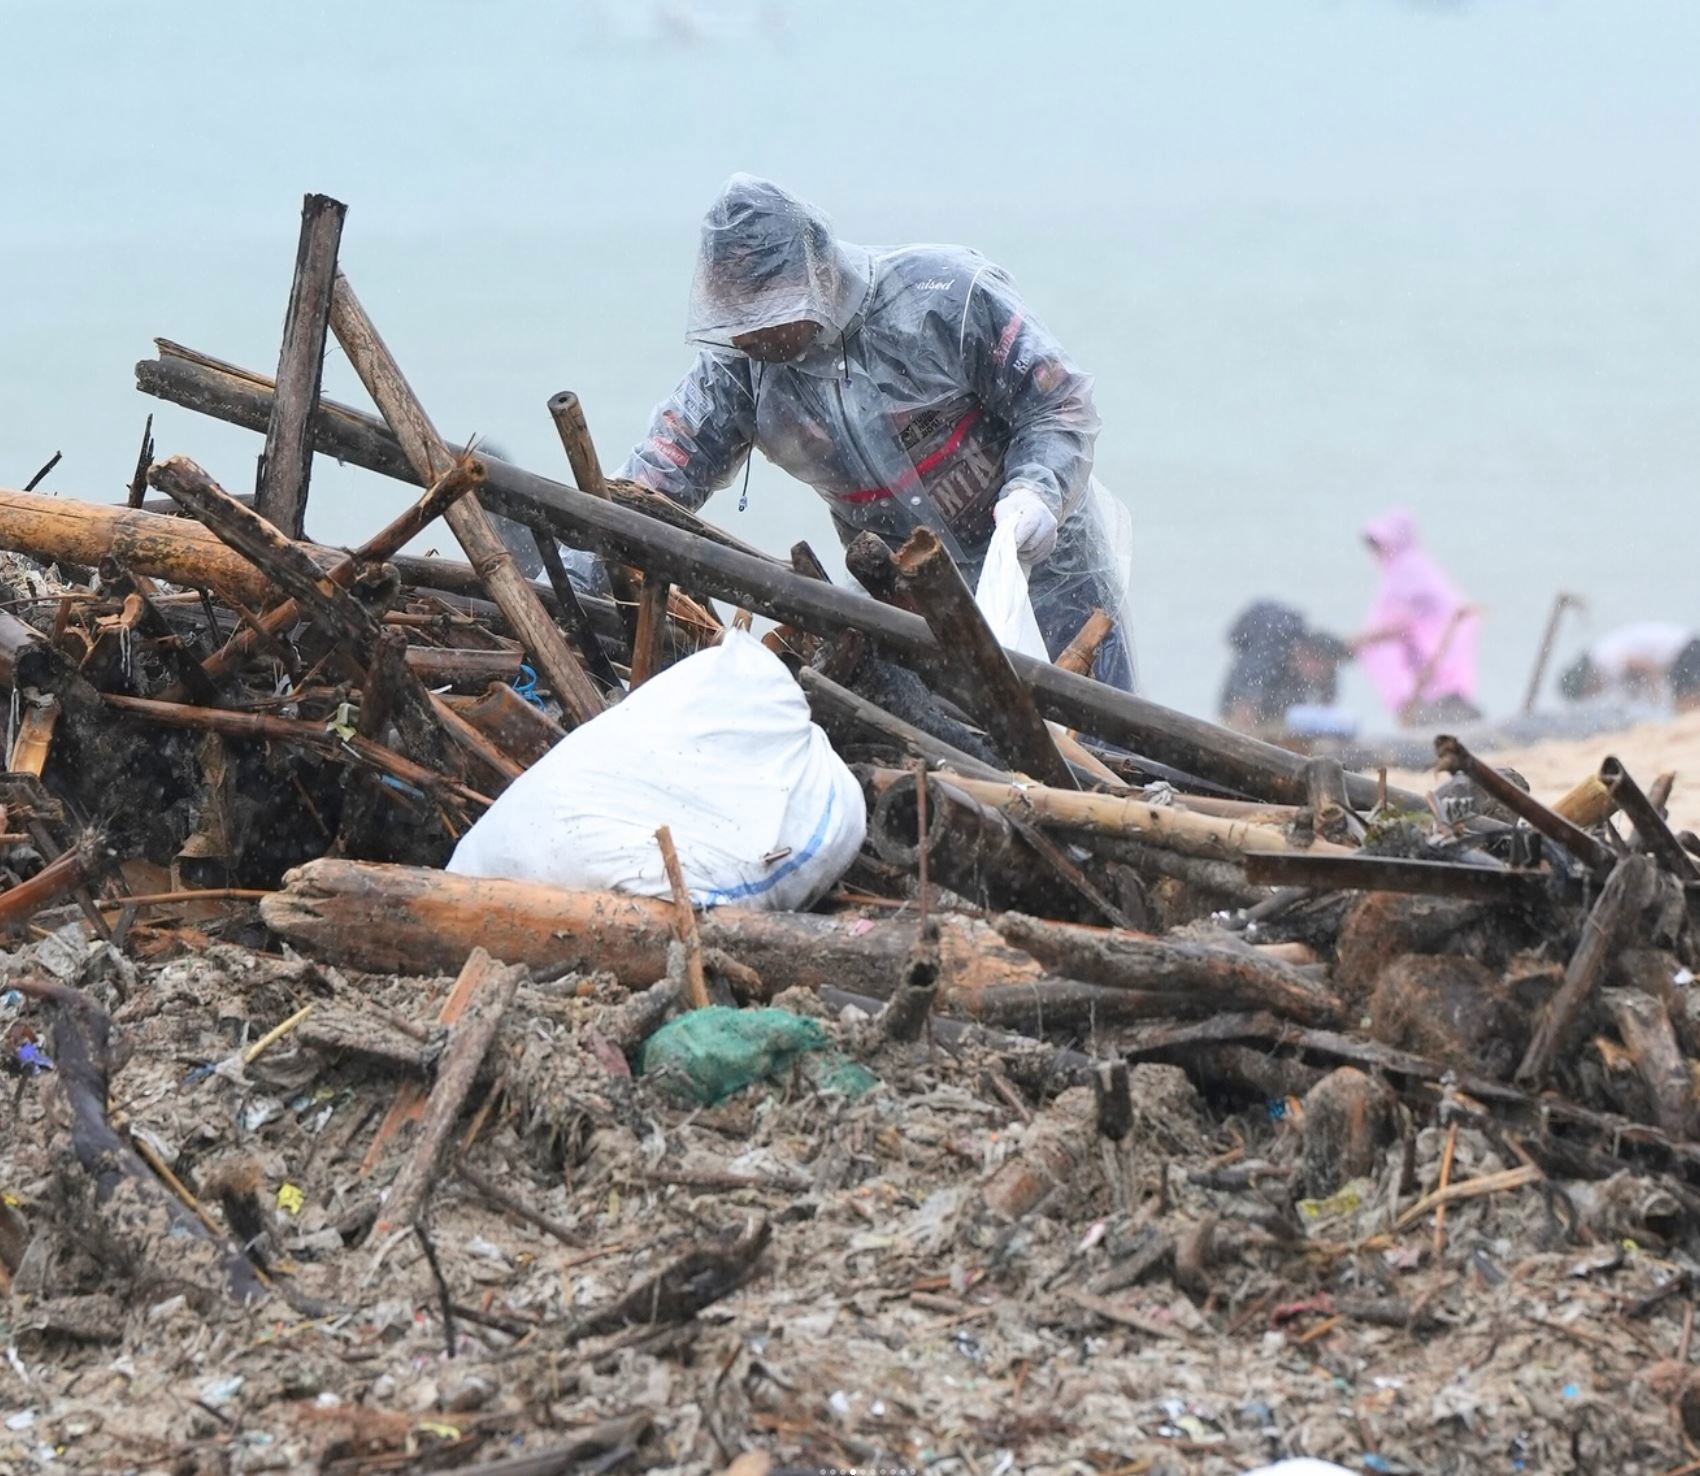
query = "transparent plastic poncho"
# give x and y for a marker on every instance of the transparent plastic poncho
(928, 392)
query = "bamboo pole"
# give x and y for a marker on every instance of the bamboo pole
(1082, 651)
(1115, 815)
(430, 459)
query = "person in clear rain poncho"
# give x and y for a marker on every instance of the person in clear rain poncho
(907, 386)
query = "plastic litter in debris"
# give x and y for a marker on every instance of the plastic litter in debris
(526, 685)
(706, 1055)
(290, 1199)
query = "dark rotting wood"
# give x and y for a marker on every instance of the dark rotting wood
(1649, 824)
(1398, 874)
(1114, 1097)
(805, 561)
(118, 579)
(281, 498)
(144, 459)
(1452, 756)
(573, 618)
(41, 475)
(711, 568)
(829, 700)
(980, 667)
(1626, 888)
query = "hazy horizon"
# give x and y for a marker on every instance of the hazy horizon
(1320, 257)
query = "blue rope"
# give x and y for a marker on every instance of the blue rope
(526, 685)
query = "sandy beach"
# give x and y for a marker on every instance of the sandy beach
(1647, 750)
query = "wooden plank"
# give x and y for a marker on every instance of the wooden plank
(282, 495)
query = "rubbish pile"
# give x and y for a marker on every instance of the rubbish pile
(460, 1023)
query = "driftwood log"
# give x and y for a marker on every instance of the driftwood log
(1218, 977)
(412, 920)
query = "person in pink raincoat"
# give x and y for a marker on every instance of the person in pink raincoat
(1419, 642)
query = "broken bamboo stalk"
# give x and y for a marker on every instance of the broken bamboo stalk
(282, 495)
(35, 737)
(1451, 756)
(1649, 824)
(712, 564)
(1587, 804)
(568, 414)
(1222, 978)
(492, 987)
(430, 459)
(1090, 815)
(1625, 890)
(1080, 653)
(684, 922)
(979, 667)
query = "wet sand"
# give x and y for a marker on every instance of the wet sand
(1647, 750)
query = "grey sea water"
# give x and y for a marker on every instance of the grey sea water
(1322, 255)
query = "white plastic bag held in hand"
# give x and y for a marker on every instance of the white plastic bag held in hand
(1003, 600)
(720, 749)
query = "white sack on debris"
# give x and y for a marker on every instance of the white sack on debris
(720, 749)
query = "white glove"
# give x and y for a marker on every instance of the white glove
(1030, 518)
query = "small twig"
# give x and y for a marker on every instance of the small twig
(515, 1206)
(35, 481)
(1516, 1178)
(1445, 1181)
(274, 1035)
(684, 922)
(443, 1296)
(920, 767)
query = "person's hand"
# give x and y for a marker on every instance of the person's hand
(1030, 518)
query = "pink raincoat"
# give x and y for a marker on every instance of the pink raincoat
(1417, 600)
